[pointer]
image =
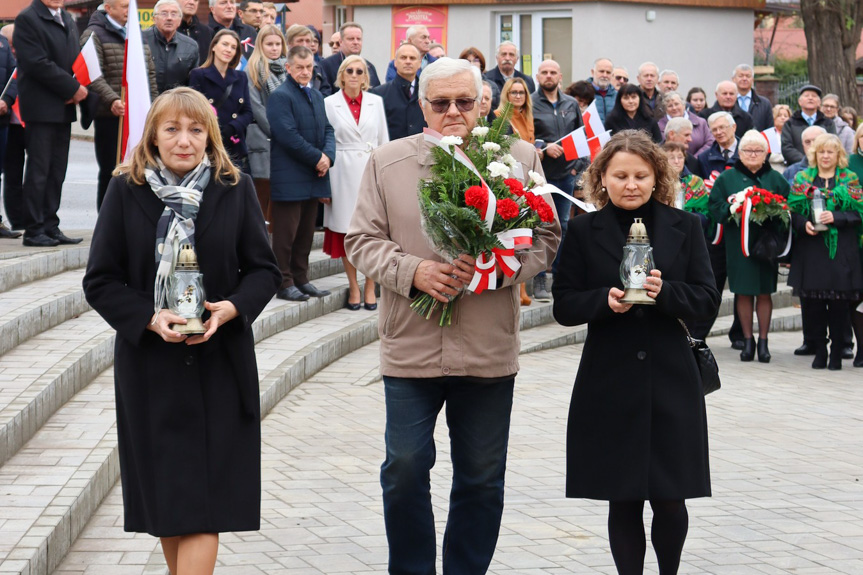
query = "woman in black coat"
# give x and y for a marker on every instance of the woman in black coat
(637, 426)
(631, 112)
(188, 407)
(227, 90)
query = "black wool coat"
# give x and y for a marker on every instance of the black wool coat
(234, 112)
(404, 115)
(188, 417)
(637, 425)
(46, 51)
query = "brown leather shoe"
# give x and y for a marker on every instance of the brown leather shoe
(525, 299)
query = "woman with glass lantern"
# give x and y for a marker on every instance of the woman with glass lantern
(637, 426)
(188, 407)
(750, 279)
(826, 208)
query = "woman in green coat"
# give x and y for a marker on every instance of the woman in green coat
(855, 164)
(750, 279)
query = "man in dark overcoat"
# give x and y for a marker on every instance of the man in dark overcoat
(7, 68)
(46, 41)
(401, 95)
(507, 56)
(748, 99)
(726, 101)
(351, 44)
(303, 149)
(174, 55)
(192, 27)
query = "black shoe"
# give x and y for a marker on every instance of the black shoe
(847, 352)
(737, 344)
(835, 363)
(805, 349)
(40, 241)
(311, 290)
(7, 233)
(858, 361)
(763, 352)
(820, 361)
(370, 306)
(353, 306)
(63, 238)
(748, 353)
(292, 294)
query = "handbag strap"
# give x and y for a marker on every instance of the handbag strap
(692, 341)
(225, 95)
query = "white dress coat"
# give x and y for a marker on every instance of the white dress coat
(354, 144)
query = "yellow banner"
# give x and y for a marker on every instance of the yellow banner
(145, 17)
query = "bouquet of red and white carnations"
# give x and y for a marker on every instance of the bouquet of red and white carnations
(766, 209)
(473, 204)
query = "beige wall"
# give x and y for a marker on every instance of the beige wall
(615, 30)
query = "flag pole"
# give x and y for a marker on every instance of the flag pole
(6, 89)
(120, 130)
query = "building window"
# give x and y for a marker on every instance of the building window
(539, 36)
(341, 16)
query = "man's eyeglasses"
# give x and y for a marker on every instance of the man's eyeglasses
(169, 14)
(334, 45)
(441, 106)
(623, 79)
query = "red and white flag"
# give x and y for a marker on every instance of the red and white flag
(136, 85)
(774, 141)
(16, 109)
(592, 122)
(86, 66)
(577, 144)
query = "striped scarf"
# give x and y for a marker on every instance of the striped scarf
(176, 226)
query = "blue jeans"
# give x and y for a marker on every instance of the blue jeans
(562, 206)
(478, 417)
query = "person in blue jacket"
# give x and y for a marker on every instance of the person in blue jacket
(227, 90)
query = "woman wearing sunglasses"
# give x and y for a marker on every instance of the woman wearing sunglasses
(360, 124)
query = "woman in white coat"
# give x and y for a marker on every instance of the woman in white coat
(360, 124)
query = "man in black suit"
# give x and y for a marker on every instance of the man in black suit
(46, 41)
(401, 103)
(351, 43)
(726, 101)
(749, 101)
(507, 56)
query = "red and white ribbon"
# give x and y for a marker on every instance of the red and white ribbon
(717, 239)
(744, 231)
(483, 270)
(512, 240)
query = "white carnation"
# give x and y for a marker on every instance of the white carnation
(536, 178)
(480, 131)
(509, 160)
(498, 170)
(491, 147)
(448, 141)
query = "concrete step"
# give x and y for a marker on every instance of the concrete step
(19, 268)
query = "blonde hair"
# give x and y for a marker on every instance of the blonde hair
(527, 109)
(857, 135)
(258, 78)
(633, 142)
(347, 62)
(172, 104)
(210, 57)
(781, 108)
(823, 141)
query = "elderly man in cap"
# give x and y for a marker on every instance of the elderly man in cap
(809, 114)
(470, 365)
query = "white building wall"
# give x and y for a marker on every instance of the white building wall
(701, 44)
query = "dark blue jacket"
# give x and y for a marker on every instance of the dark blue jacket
(300, 134)
(605, 103)
(7, 66)
(235, 113)
(391, 69)
(404, 115)
(711, 160)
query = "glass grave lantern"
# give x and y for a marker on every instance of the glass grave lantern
(636, 265)
(186, 292)
(817, 207)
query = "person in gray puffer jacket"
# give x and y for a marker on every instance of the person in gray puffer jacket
(830, 107)
(107, 27)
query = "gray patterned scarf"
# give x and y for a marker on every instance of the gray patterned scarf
(277, 75)
(176, 226)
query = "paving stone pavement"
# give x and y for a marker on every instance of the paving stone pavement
(786, 458)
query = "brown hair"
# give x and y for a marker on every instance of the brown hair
(633, 142)
(675, 147)
(235, 60)
(476, 54)
(176, 103)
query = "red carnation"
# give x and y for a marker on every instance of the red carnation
(545, 212)
(507, 209)
(477, 197)
(767, 199)
(755, 200)
(532, 200)
(515, 187)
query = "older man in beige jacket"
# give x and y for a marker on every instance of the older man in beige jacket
(470, 366)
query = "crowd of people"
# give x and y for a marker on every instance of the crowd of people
(276, 137)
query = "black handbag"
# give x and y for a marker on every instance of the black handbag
(768, 245)
(707, 366)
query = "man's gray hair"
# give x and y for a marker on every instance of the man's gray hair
(414, 30)
(501, 45)
(742, 68)
(754, 138)
(161, 3)
(833, 97)
(718, 116)
(819, 129)
(447, 68)
(668, 72)
(598, 60)
(211, 2)
(677, 125)
(723, 82)
(666, 98)
(645, 65)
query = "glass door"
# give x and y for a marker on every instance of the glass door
(539, 36)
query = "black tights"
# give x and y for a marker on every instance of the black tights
(667, 533)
